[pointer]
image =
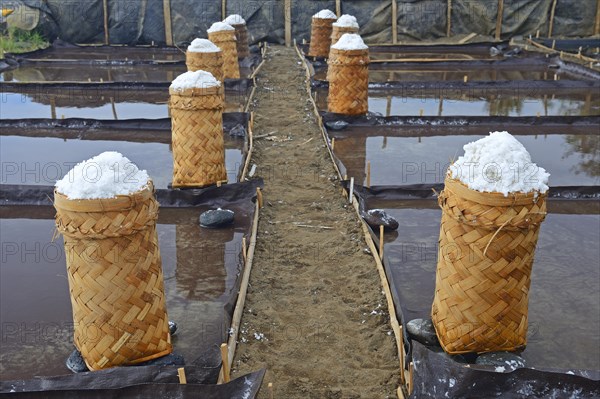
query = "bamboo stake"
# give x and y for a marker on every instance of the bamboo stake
(338, 8)
(244, 250)
(288, 23)
(449, 19)
(410, 378)
(223, 9)
(551, 25)
(369, 174)
(381, 228)
(537, 34)
(271, 393)
(105, 8)
(168, 22)
(259, 197)
(225, 360)
(114, 108)
(597, 23)
(400, 393)
(182, 377)
(402, 354)
(333, 144)
(394, 22)
(465, 79)
(388, 108)
(499, 19)
(351, 193)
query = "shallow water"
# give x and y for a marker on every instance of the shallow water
(564, 300)
(200, 269)
(571, 160)
(114, 53)
(42, 161)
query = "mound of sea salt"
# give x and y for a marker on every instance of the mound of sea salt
(346, 21)
(325, 14)
(219, 26)
(234, 19)
(499, 163)
(203, 46)
(103, 176)
(350, 41)
(197, 79)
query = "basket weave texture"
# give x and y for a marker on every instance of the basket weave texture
(115, 278)
(348, 74)
(336, 34)
(320, 37)
(197, 137)
(241, 35)
(227, 42)
(209, 62)
(486, 250)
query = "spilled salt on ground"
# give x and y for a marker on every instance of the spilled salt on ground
(234, 19)
(220, 26)
(499, 163)
(346, 21)
(325, 14)
(103, 176)
(197, 79)
(203, 46)
(350, 41)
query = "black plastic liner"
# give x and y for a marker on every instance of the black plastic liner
(85, 88)
(17, 195)
(126, 383)
(436, 376)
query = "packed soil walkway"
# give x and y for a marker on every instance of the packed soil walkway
(315, 313)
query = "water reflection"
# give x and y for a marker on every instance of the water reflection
(587, 148)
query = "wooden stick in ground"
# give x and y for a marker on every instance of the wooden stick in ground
(181, 374)
(449, 19)
(225, 360)
(259, 197)
(105, 9)
(551, 22)
(597, 23)
(394, 22)
(499, 19)
(411, 369)
(351, 191)
(288, 23)
(244, 253)
(168, 22)
(338, 8)
(271, 393)
(333, 144)
(381, 235)
(369, 174)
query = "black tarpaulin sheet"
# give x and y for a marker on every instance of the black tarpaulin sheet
(374, 18)
(264, 19)
(437, 376)
(245, 387)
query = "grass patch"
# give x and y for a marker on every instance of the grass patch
(20, 41)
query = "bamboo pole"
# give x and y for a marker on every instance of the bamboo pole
(244, 249)
(381, 235)
(499, 19)
(351, 191)
(597, 23)
(225, 360)
(338, 8)
(411, 369)
(105, 9)
(288, 23)
(168, 22)
(271, 393)
(369, 174)
(114, 108)
(182, 377)
(223, 9)
(259, 197)
(449, 19)
(394, 22)
(551, 23)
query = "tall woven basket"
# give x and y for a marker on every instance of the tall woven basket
(227, 42)
(336, 34)
(209, 62)
(348, 81)
(115, 278)
(197, 137)
(486, 250)
(320, 37)
(241, 35)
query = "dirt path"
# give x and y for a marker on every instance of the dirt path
(315, 314)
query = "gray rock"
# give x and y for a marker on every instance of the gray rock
(510, 361)
(422, 330)
(75, 362)
(378, 217)
(337, 125)
(216, 218)
(172, 327)
(172, 359)
(238, 131)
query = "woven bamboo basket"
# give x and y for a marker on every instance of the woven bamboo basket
(486, 250)
(336, 34)
(227, 42)
(320, 37)
(115, 278)
(197, 137)
(209, 62)
(241, 35)
(348, 82)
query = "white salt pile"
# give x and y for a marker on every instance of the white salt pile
(325, 14)
(350, 41)
(191, 80)
(203, 46)
(234, 19)
(103, 176)
(499, 163)
(219, 26)
(346, 21)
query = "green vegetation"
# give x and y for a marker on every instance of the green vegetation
(20, 41)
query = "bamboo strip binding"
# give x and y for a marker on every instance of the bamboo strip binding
(115, 278)
(336, 34)
(197, 137)
(209, 62)
(487, 246)
(348, 81)
(241, 35)
(226, 41)
(320, 37)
